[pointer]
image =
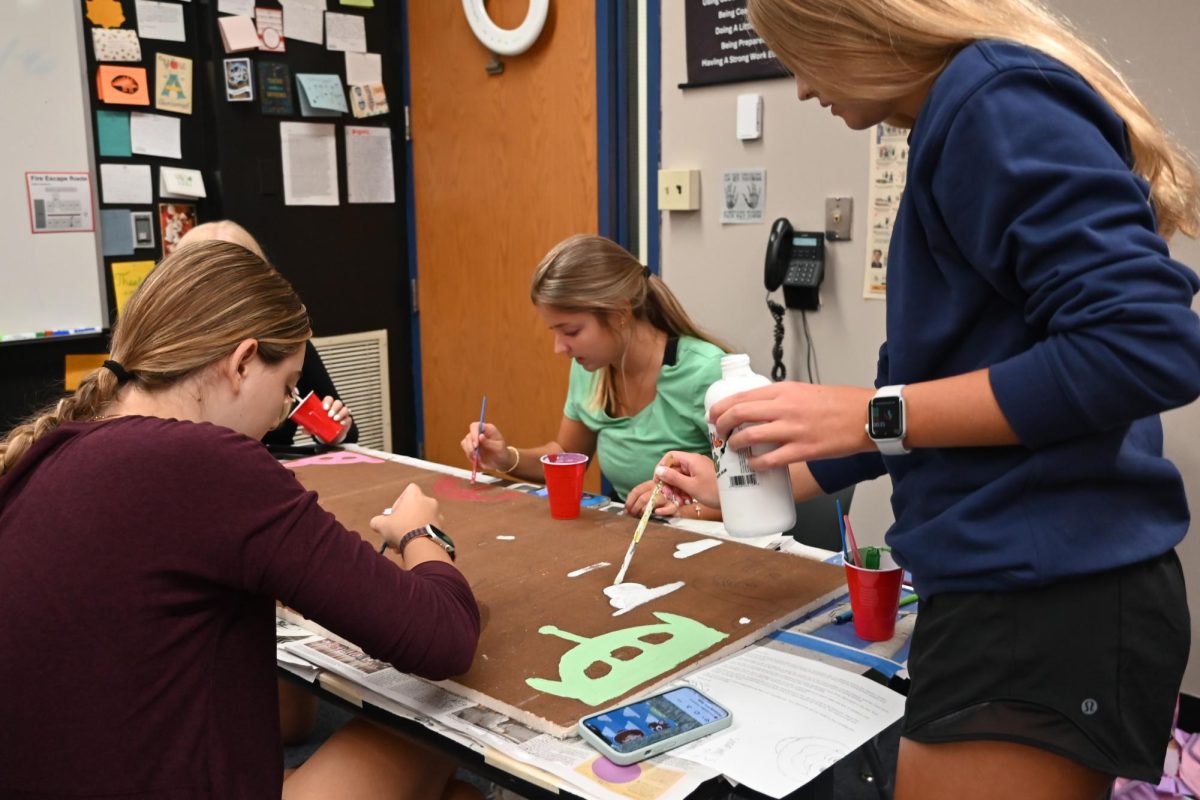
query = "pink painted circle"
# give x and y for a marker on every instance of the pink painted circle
(607, 771)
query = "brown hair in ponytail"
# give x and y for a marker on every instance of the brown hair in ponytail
(192, 310)
(588, 273)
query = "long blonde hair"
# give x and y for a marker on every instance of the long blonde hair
(588, 273)
(192, 310)
(885, 49)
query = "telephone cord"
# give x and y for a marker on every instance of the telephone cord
(778, 371)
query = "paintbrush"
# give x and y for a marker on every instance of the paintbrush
(475, 455)
(637, 534)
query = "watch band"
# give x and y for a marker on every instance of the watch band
(892, 446)
(429, 532)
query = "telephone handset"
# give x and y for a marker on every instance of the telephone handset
(796, 261)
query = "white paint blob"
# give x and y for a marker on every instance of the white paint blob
(744, 621)
(689, 549)
(506, 538)
(628, 596)
(584, 570)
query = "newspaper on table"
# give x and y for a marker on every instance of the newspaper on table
(576, 765)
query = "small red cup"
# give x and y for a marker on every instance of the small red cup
(875, 598)
(310, 414)
(564, 482)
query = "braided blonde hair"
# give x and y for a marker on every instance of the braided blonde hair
(192, 310)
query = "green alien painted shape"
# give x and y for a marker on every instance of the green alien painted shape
(687, 638)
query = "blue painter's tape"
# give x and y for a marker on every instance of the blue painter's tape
(885, 666)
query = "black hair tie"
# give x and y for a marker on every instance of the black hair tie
(115, 368)
(646, 273)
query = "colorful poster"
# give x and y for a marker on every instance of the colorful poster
(888, 170)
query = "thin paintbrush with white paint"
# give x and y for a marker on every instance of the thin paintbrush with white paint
(637, 534)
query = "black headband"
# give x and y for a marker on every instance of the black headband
(116, 369)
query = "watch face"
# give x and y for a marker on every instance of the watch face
(885, 418)
(441, 534)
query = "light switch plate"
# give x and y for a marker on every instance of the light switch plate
(839, 213)
(678, 189)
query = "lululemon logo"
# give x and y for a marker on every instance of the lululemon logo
(1089, 706)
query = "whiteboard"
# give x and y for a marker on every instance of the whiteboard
(49, 281)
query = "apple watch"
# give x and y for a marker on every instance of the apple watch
(886, 421)
(432, 532)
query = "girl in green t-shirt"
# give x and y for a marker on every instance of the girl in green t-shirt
(641, 368)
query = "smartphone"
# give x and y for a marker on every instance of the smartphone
(644, 728)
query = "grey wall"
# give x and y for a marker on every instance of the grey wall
(809, 155)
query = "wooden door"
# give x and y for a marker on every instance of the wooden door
(504, 166)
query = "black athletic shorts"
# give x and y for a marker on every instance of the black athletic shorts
(1088, 668)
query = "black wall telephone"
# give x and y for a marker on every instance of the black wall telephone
(796, 261)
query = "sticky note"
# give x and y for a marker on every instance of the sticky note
(112, 128)
(127, 277)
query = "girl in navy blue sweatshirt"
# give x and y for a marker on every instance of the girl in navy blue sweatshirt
(1036, 328)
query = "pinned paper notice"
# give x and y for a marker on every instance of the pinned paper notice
(160, 20)
(345, 32)
(310, 174)
(369, 173)
(303, 24)
(127, 277)
(363, 68)
(154, 135)
(126, 183)
(243, 8)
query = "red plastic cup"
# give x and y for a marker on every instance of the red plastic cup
(310, 414)
(875, 598)
(564, 482)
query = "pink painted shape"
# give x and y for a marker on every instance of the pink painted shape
(451, 488)
(607, 771)
(334, 457)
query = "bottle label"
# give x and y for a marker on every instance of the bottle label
(732, 467)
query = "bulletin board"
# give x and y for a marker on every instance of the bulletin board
(553, 648)
(53, 280)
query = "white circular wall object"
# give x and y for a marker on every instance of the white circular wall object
(503, 41)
